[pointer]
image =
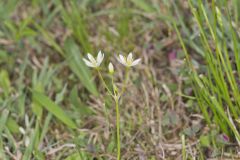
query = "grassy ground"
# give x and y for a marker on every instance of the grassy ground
(54, 107)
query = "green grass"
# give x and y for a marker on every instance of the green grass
(217, 89)
(54, 107)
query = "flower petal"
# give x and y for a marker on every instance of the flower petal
(88, 63)
(129, 58)
(119, 60)
(100, 57)
(122, 60)
(91, 58)
(136, 62)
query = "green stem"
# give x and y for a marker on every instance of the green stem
(125, 81)
(105, 85)
(114, 91)
(117, 113)
(183, 147)
(118, 130)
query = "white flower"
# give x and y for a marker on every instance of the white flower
(94, 62)
(110, 68)
(128, 62)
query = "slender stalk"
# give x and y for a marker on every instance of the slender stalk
(183, 147)
(118, 114)
(105, 85)
(113, 86)
(116, 99)
(118, 129)
(125, 81)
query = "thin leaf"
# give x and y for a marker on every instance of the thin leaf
(53, 108)
(77, 65)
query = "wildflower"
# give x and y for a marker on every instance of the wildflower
(110, 68)
(94, 62)
(128, 61)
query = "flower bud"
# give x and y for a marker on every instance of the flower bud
(110, 68)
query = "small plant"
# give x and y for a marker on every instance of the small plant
(128, 62)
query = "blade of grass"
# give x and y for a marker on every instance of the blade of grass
(75, 62)
(53, 108)
(74, 18)
(71, 53)
(144, 5)
(33, 140)
(3, 121)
